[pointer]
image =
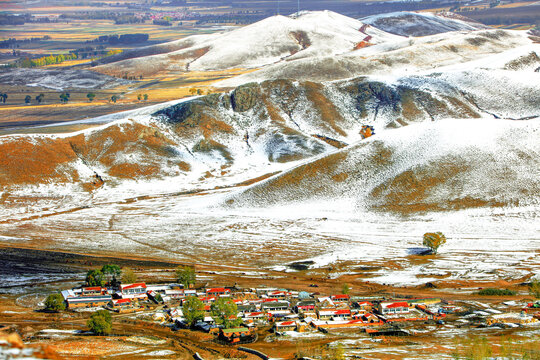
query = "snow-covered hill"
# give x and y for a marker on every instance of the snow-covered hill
(274, 39)
(444, 165)
(396, 58)
(407, 23)
(252, 131)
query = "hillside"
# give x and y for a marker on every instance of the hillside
(421, 24)
(274, 39)
(252, 131)
(445, 165)
(396, 57)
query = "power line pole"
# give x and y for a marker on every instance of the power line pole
(298, 12)
(278, 7)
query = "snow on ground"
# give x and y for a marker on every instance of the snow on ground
(59, 79)
(407, 23)
(398, 57)
(271, 40)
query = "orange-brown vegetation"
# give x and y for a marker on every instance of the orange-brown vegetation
(361, 44)
(407, 192)
(327, 110)
(310, 170)
(340, 177)
(31, 161)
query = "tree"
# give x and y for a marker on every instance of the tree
(139, 97)
(145, 96)
(128, 276)
(95, 278)
(534, 288)
(186, 276)
(100, 322)
(193, 310)
(90, 96)
(55, 302)
(64, 97)
(27, 99)
(192, 91)
(111, 271)
(199, 92)
(345, 289)
(434, 240)
(114, 98)
(40, 98)
(224, 311)
(3, 97)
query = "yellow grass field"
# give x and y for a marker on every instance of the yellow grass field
(516, 4)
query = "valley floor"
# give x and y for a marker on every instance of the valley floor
(136, 338)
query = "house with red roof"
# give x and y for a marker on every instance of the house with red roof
(364, 306)
(218, 292)
(391, 307)
(133, 291)
(328, 314)
(280, 326)
(93, 291)
(340, 298)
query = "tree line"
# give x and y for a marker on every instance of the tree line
(122, 39)
(60, 58)
(66, 96)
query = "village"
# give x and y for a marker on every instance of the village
(186, 312)
(236, 315)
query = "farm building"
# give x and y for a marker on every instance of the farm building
(342, 298)
(235, 335)
(275, 307)
(390, 308)
(132, 291)
(285, 326)
(327, 314)
(218, 292)
(364, 306)
(334, 324)
(93, 291)
(87, 301)
(305, 305)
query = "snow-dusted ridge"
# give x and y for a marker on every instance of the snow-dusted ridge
(408, 23)
(272, 40)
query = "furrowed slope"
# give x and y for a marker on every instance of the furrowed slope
(444, 165)
(421, 24)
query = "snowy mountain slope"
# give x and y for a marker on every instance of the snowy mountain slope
(254, 130)
(274, 39)
(395, 57)
(407, 23)
(444, 165)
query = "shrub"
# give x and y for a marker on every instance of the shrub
(95, 278)
(186, 276)
(534, 288)
(100, 322)
(128, 276)
(55, 302)
(434, 240)
(496, 292)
